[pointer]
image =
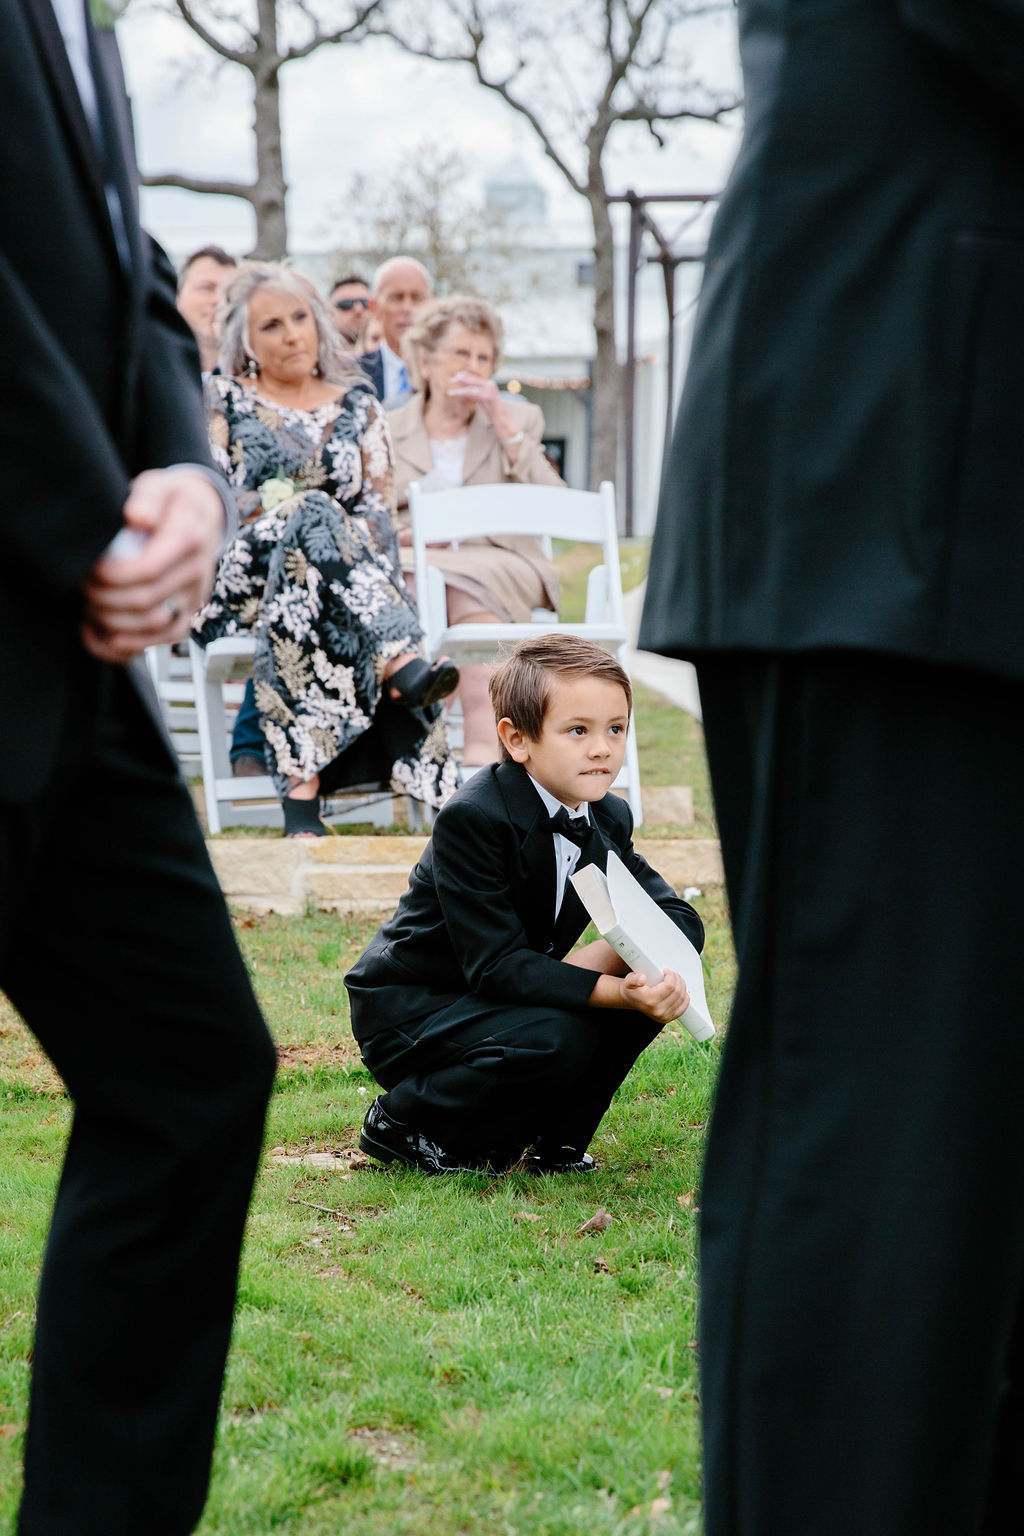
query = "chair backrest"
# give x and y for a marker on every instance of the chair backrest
(476, 511)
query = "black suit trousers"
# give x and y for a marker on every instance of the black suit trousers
(116, 947)
(480, 1076)
(863, 1203)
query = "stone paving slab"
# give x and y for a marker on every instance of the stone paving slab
(369, 874)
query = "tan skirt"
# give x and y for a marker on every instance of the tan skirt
(507, 582)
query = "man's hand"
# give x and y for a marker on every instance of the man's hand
(666, 1000)
(150, 598)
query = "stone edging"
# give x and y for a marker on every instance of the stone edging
(264, 874)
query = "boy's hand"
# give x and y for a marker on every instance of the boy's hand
(663, 1001)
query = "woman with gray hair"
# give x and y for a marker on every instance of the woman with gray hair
(342, 694)
(458, 429)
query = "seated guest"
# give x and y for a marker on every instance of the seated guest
(342, 694)
(201, 282)
(400, 286)
(458, 429)
(349, 303)
(371, 334)
(489, 1037)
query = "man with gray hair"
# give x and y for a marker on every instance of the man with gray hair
(400, 286)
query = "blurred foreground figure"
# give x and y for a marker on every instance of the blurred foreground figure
(840, 548)
(130, 978)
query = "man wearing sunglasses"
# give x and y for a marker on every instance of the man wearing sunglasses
(349, 300)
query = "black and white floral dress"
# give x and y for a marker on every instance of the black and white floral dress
(314, 576)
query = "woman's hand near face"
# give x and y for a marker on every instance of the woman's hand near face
(485, 392)
(466, 385)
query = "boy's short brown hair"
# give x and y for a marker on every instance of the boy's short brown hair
(519, 686)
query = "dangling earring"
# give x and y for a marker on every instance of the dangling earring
(252, 368)
(316, 370)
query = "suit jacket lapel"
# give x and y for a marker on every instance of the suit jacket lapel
(480, 441)
(64, 87)
(572, 914)
(112, 99)
(530, 819)
(412, 435)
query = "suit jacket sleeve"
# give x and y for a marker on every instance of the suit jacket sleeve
(985, 36)
(531, 467)
(171, 419)
(470, 863)
(58, 511)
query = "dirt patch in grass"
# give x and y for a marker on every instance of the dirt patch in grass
(21, 1059)
(339, 1053)
(386, 1449)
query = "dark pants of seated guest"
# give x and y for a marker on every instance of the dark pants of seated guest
(478, 1076)
(247, 738)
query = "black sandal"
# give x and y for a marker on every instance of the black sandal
(302, 817)
(421, 683)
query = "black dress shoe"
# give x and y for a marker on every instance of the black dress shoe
(389, 1141)
(550, 1159)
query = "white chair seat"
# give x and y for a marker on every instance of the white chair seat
(546, 512)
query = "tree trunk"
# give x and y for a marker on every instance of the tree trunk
(607, 383)
(269, 191)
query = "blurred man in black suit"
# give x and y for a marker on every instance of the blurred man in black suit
(136, 989)
(840, 547)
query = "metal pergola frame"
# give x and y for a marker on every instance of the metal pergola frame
(641, 223)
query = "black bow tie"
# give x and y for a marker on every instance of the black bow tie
(576, 828)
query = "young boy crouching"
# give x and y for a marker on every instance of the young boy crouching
(491, 1040)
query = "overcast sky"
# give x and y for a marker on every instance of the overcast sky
(364, 108)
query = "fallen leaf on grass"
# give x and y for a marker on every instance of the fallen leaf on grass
(8, 1431)
(597, 1223)
(686, 1201)
(601, 1266)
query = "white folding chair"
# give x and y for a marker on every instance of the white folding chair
(475, 511)
(220, 672)
(171, 676)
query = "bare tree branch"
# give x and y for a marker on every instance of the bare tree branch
(501, 88)
(302, 50)
(234, 55)
(197, 184)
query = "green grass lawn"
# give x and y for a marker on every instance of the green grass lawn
(418, 1357)
(423, 1356)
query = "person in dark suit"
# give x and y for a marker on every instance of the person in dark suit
(840, 548)
(487, 1038)
(372, 364)
(401, 286)
(134, 987)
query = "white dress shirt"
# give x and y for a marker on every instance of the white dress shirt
(567, 855)
(70, 16)
(397, 385)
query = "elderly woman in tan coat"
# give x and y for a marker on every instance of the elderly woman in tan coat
(458, 429)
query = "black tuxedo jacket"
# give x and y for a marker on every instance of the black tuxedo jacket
(100, 374)
(372, 364)
(479, 914)
(847, 467)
